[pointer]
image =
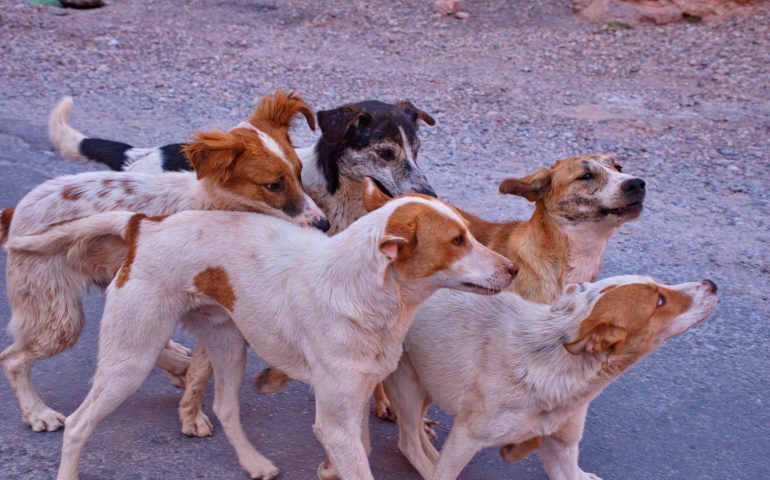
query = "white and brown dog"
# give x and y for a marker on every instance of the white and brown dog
(366, 139)
(358, 140)
(233, 171)
(339, 326)
(516, 372)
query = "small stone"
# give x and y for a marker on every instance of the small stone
(462, 15)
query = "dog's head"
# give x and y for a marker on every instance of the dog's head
(376, 140)
(626, 317)
(428, 242)
(261, 171)
(590, 188)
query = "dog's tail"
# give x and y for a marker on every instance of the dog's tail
(73, 144)
(6, 215)
(75, 236)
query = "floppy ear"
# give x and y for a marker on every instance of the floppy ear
(532, 187)
(213, 154)
(372, 197)
(415, 113)
(342, 122)
(280, 109)
(603, 337)
(398, 233)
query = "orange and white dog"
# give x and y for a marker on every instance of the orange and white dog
(338, 326)
(516, 372)
(233, 171)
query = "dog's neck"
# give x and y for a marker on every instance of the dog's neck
(341, 204)
(549, 253)
(557, 378)
(587, 242)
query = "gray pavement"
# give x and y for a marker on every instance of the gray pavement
(518, 85)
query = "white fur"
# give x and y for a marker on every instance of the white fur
(498, 365)
(333, 313)
(65, 138)
(143, 160)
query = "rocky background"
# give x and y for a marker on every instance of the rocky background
(516, 85)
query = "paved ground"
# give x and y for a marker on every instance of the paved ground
(518, 85)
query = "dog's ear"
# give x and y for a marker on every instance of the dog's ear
(533, 187)
(398, 232)
(602, 337)
(341, 123)
(415, 113)
(280, 110)
(372, 197)
(213, 154)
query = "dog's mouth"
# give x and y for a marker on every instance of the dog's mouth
(382, 187)
(632, 209)
(472, 287)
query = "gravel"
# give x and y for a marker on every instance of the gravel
(515, 86)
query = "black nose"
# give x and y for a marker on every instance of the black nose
(322, 224)
(711, 285)
(428, 191)
(635, 185)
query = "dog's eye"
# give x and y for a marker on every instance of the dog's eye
(386, 154)
(459, 240)
(661, 300)
(275, 186)
(587, 176)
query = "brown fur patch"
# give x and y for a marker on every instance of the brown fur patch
(627, 321)
(128, 187)
(132, 237)
(6, 215)
(71, 192)
(215, 284)
(429, 238)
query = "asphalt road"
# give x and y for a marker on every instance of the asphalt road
(696, 409)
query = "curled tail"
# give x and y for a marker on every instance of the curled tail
(75, 236)
(73, 144)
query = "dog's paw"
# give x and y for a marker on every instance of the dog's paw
(178, 348)
(261, 469)
(178, 380)
(326, 471)
(44, 419)
(428, 426)
(588, 476)
(383, 411)
(198, 426)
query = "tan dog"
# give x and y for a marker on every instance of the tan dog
(333, 311)
(234, 171)
(516, 372)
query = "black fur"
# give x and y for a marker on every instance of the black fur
(108, 152)
(174, 160)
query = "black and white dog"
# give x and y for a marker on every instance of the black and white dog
(365, 139)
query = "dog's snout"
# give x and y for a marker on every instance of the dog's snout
(634, 185)
(322, 224)
(710, 286)
(428, 191)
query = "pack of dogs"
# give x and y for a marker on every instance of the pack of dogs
(340, 267)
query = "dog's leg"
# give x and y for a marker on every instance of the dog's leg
(340, 429)
(40, 329)
(382, 404)
(131, 338)
(194, 422)
(408, 401)
(227, 351)
(559, 451)
(174, 361)
(458, 450)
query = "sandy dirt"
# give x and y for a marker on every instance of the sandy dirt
(515, 86)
